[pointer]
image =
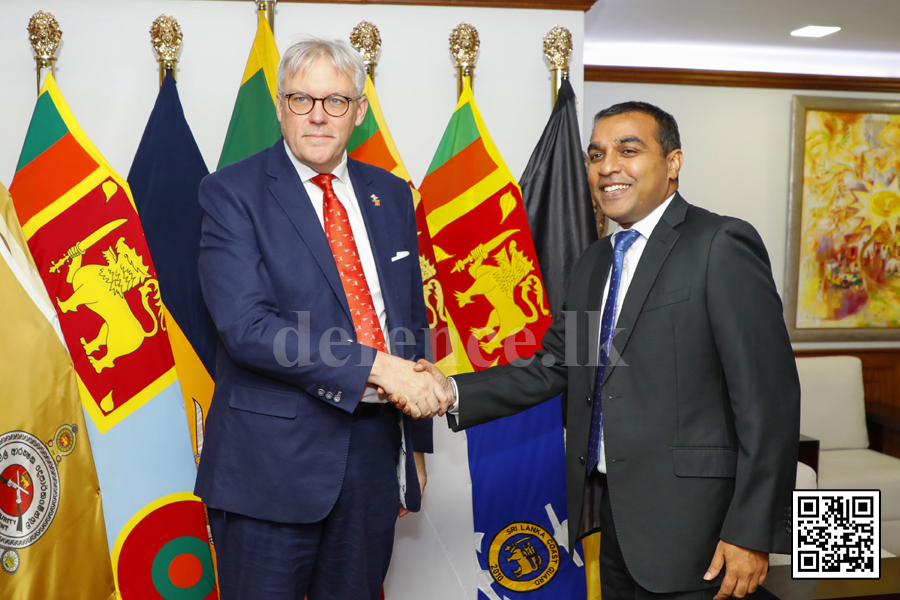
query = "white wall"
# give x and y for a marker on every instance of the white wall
(107, 70)
(736, 144)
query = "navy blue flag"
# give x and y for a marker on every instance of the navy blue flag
(165, 178)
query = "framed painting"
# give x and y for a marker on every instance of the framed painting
(842, 277)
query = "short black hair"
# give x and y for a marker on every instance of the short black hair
(666, 128)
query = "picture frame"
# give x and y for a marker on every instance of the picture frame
(842, 275)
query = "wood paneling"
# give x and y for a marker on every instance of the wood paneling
(881, 375)
(741, 79)
(582, 5)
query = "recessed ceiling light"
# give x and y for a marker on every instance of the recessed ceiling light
(814, 31)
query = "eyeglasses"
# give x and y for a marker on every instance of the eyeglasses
(335, 104)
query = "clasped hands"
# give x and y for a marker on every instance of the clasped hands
(420, 390)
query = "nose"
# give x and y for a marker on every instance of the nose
(608, 165)
(318, 114)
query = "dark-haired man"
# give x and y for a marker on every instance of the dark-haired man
(683, 412)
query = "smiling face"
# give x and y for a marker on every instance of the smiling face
(628, 174)
(317, 139)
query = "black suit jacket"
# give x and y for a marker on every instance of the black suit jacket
(701, 411)
(278, 429)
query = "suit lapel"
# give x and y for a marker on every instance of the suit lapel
(290, 194)
(659, 244)
(596, 283)
(379, 239)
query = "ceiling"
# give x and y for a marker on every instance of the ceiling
(745, 35)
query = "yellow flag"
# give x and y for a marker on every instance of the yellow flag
(52, 535)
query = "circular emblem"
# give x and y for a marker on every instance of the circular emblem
(164, 553)
(29, 489)
(9, 561)
(64, 440)
(523, 557)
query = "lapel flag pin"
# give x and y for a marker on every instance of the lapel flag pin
(376, 200)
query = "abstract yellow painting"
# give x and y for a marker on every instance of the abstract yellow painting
(847, 241)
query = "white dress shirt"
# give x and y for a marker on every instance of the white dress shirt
(343, 189)
(632, 257)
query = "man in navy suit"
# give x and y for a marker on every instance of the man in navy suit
(309, 267)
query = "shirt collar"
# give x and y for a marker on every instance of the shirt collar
(646, 225)
(305, 173)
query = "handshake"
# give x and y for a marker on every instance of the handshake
(418, 389)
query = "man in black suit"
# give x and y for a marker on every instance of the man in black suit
(683, 417)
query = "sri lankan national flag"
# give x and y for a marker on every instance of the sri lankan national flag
(372, 143)
(89, 248)
(254, 125)
(488, 266)
(52, 536)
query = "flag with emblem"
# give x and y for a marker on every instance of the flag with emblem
(372, 143)
(164, 179)
(254, 125)
(488, 265)
(84, 233)
(52, 535)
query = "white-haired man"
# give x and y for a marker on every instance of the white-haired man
(308, 259)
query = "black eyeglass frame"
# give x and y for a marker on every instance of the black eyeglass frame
(322, 100)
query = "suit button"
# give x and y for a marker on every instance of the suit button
(321, 392)
(588, 398)
(329, 396)
(581, 459)
(337, 398)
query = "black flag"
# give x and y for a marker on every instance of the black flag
(557, 198)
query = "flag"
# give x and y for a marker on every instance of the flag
(557, 198)
(486, 257)
(52, 535)
(254, 124)
(372, 143)
(164, 179)
(84, 233)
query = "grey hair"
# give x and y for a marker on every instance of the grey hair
(301, 56)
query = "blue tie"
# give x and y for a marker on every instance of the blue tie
(624, 240)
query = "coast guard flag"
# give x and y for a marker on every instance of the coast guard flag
(487, 264)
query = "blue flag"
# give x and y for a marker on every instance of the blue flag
(165, 178)
(519, 507)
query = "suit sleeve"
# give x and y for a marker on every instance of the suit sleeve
(760, 371)
(243, 304)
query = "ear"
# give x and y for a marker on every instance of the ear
(361, 111)
(279, 106)
(674, 162)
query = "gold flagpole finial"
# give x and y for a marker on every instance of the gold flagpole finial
(464, 46)
(165, 35)
(558, 50)
(44, 34)
(267, 9)
(367, 41)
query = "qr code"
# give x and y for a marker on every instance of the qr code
(837, 534)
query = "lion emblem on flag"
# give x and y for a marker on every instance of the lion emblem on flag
(102, 289)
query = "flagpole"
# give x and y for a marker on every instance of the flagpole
(165, 35)
(366, 38)
(558, 50)
(464, 46)
(267, 9)
(44, 34)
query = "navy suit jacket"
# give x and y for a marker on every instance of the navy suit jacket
(289, 371)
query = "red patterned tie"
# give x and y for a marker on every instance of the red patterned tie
(343, 247)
